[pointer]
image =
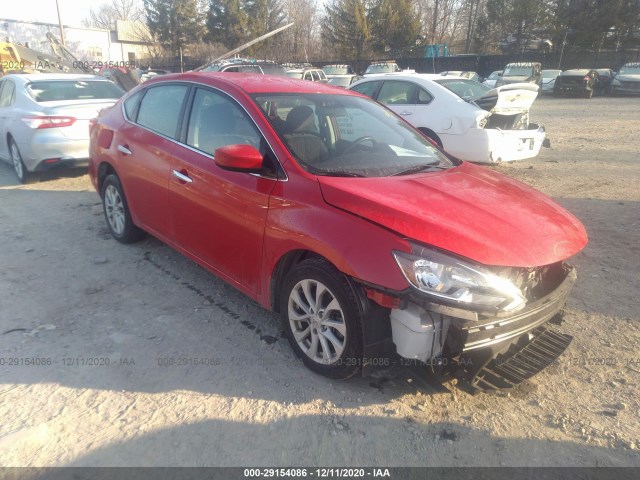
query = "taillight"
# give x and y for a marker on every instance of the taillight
(586, 78)
(48, 121)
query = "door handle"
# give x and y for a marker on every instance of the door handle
(406, 113)
(123, 149)
(182, 177)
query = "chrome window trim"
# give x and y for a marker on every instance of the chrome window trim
(192, 83)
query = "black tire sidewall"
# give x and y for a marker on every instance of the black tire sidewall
(317, 269)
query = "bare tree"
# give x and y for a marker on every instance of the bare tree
(301, 41)
(107, 14)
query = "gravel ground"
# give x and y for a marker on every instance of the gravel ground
(143, 358)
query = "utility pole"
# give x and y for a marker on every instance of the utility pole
(60, 23)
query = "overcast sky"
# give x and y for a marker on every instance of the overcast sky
(71, 11)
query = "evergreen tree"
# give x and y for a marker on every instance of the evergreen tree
(346, 28)
(263, 17)
(175, 23)
(395, 25)
(227, 23)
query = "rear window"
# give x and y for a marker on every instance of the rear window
(63, 90)
(465, 89)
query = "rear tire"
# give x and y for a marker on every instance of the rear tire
(116, 211)
(322, 318)
(18, 165)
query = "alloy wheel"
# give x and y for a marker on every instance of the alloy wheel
(17, 161)
(114, 209)
(317, 321)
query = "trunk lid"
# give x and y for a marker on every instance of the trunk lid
(509, 99)
(82, 110)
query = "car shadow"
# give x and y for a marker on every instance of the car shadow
(8, 177)
(330, 441)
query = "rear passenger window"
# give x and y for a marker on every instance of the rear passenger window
(7, 93)
(131, 105)
(160, 109)
(397, 93)
(424, 97)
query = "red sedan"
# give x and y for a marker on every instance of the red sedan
(372, 244)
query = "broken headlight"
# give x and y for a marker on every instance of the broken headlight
(447, 278)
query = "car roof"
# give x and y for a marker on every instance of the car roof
(32, 77)
(577, 71)
(413, 76)
(250, 83)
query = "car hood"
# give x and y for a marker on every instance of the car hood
(468, 210)
(546, 81)
(508, 99)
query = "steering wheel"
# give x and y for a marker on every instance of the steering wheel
(357, 142)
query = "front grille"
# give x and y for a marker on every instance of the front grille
(515, 366)
(495, 330)
(534, 282)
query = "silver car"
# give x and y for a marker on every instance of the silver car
(548, 80)
(44, 119)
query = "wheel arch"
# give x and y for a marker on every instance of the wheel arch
(284, 266)
(103, 170)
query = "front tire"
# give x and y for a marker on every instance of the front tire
(116, 211)
(322, 318)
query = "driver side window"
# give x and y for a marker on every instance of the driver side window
(216, 121)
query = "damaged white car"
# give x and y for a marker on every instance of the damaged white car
(468, 120)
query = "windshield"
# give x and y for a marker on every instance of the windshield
(626, 70)
(335, 69)
(465, 89)
(344, 135)
(60, 90)
(518, 72)
(550, 73)
(495, 75)
(382, 68)
(273, 69)
(340, 81)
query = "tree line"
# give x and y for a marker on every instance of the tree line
(349, 30)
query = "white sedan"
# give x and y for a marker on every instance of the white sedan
(467, 119)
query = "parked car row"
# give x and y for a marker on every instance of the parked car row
(573, 82)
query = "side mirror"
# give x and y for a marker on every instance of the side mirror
(238, 158)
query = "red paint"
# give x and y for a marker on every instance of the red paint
(238, 157)
(239, 226)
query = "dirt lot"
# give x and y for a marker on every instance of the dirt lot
(75, 299)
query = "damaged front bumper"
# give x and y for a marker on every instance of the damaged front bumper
(490, 352)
